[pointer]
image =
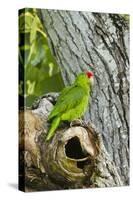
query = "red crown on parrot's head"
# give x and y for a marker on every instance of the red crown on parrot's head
(89, 74)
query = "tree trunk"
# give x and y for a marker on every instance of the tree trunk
(75, 157)
(99, 42)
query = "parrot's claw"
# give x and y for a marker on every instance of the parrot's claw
(76, 122)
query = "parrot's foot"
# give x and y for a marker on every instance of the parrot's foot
(76, 122)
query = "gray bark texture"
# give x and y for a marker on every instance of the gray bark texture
(74, 158)
(99, 42)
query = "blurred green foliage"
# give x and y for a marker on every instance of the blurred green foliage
(126, 17)
(38, 70)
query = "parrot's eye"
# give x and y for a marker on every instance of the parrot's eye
(89, 74)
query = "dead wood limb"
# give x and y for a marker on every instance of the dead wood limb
(74, 158)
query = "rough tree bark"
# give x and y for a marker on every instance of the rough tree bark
(75, 157)
(99, 42)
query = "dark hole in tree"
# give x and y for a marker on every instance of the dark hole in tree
(73, 149)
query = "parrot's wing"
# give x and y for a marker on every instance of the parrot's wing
(67, 100)
(63, 93)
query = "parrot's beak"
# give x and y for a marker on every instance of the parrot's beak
(92, 82)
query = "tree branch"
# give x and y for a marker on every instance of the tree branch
(74, 158)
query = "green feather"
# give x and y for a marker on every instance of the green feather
(55, 124)
(71, 104)
(69, 101)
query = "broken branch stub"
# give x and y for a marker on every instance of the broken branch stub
(75, 157)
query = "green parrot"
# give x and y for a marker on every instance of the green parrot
(72, 102)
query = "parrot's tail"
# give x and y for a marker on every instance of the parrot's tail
(55, 124)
